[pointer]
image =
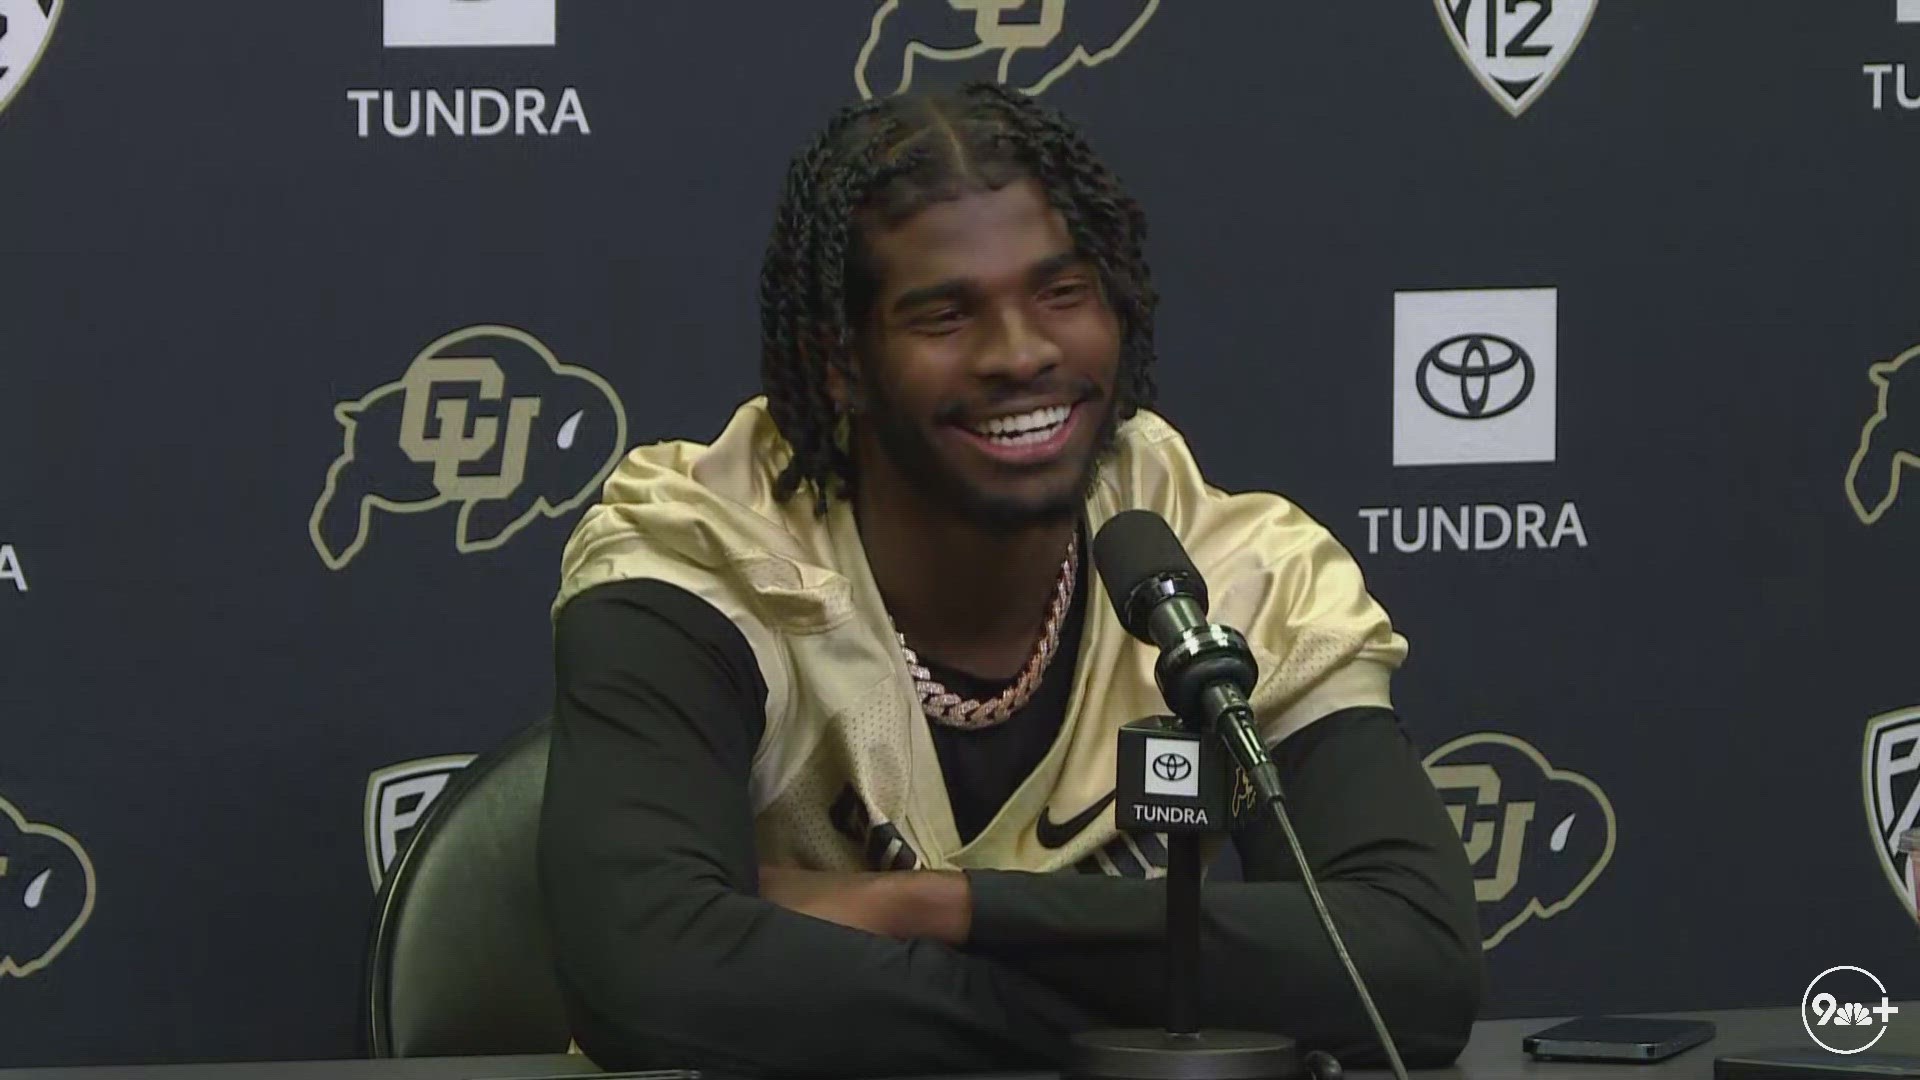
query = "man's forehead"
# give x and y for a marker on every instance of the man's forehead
(1016, 206)
(998, 233)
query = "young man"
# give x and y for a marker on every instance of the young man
(833, 751)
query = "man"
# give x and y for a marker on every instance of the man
(837, 702)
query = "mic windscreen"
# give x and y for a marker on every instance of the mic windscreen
(1136, 548)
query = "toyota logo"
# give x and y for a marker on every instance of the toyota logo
(1460, 376)
(1172, 767)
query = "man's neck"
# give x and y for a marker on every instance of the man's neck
(964, 597)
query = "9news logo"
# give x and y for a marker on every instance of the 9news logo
(1839, 1013)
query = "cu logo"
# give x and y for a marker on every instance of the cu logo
(1477, 374)
(1172, 767)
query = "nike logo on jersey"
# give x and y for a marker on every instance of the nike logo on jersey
(1051, 835)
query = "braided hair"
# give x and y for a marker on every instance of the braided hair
(886, 160)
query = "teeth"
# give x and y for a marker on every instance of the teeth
(1039, 420)
(1025, 438)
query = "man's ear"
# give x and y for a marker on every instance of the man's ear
(839, 387)
(844, 379)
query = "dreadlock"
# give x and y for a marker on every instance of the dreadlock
(890, 158)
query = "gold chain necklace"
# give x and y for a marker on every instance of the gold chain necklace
(943, 706)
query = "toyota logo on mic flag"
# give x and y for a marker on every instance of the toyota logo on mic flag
(1172, 767)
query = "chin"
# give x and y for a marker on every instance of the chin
(1006, 511)
(1006, 516)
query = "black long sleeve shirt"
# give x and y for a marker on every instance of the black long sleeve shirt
(667, 955)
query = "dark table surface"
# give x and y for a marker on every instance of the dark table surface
(1494, 1052)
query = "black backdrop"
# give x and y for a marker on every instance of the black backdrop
(1698, 240)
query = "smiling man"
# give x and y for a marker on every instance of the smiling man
(833, 756)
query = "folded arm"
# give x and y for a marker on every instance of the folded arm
(1390, 867)
(667, 954)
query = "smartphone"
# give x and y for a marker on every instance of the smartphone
(1617, 1038)
(1807, 1063)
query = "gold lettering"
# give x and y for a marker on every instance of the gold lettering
(989, 22)
(454, 445)
(1513, 838)
(1244, 796)
(1478, 839)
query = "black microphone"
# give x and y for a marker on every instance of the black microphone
(1205, 670)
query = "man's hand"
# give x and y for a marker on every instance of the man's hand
(900, 903)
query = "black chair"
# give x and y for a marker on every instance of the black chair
(460, 961)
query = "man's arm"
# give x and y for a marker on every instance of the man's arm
(1391, 869)
(666, 954)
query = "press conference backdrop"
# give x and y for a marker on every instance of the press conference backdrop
(1586, 325)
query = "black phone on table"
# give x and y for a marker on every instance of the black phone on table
(1807, 1063)
(1637, 1039)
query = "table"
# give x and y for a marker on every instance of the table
(1494, 1054)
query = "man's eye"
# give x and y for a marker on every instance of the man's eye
(942, 321)
(1064, 292)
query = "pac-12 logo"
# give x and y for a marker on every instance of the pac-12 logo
(1890, 777)
(1026, 44)
(1516, 48)
(485, 418)
(398, 798)
(47, 889)
(26, 28)
(1537, 836)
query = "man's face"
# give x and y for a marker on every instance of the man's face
(989, 360)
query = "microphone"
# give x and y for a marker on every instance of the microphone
(1205, 670)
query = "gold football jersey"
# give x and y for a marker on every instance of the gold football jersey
(845, 775)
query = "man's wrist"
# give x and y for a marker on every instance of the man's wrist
(935, 904)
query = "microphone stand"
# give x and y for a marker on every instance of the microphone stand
(1182, 1049)
(1173, 778)
(1183, 935)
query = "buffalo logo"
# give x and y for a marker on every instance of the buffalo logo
(1516, 48)
(398, 798)
(1025, 44)
(1890, 775)
(26, 27)
(1537, 836)
(46, 892)
(1890, 441)
(1472, 365)
(484, 417)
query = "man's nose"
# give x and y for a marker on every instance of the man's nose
(1019, 353)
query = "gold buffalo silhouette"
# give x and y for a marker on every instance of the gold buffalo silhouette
(1537, 835)
(47, 890)
(1026, 44)
(524, 436)
(1890, 439)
